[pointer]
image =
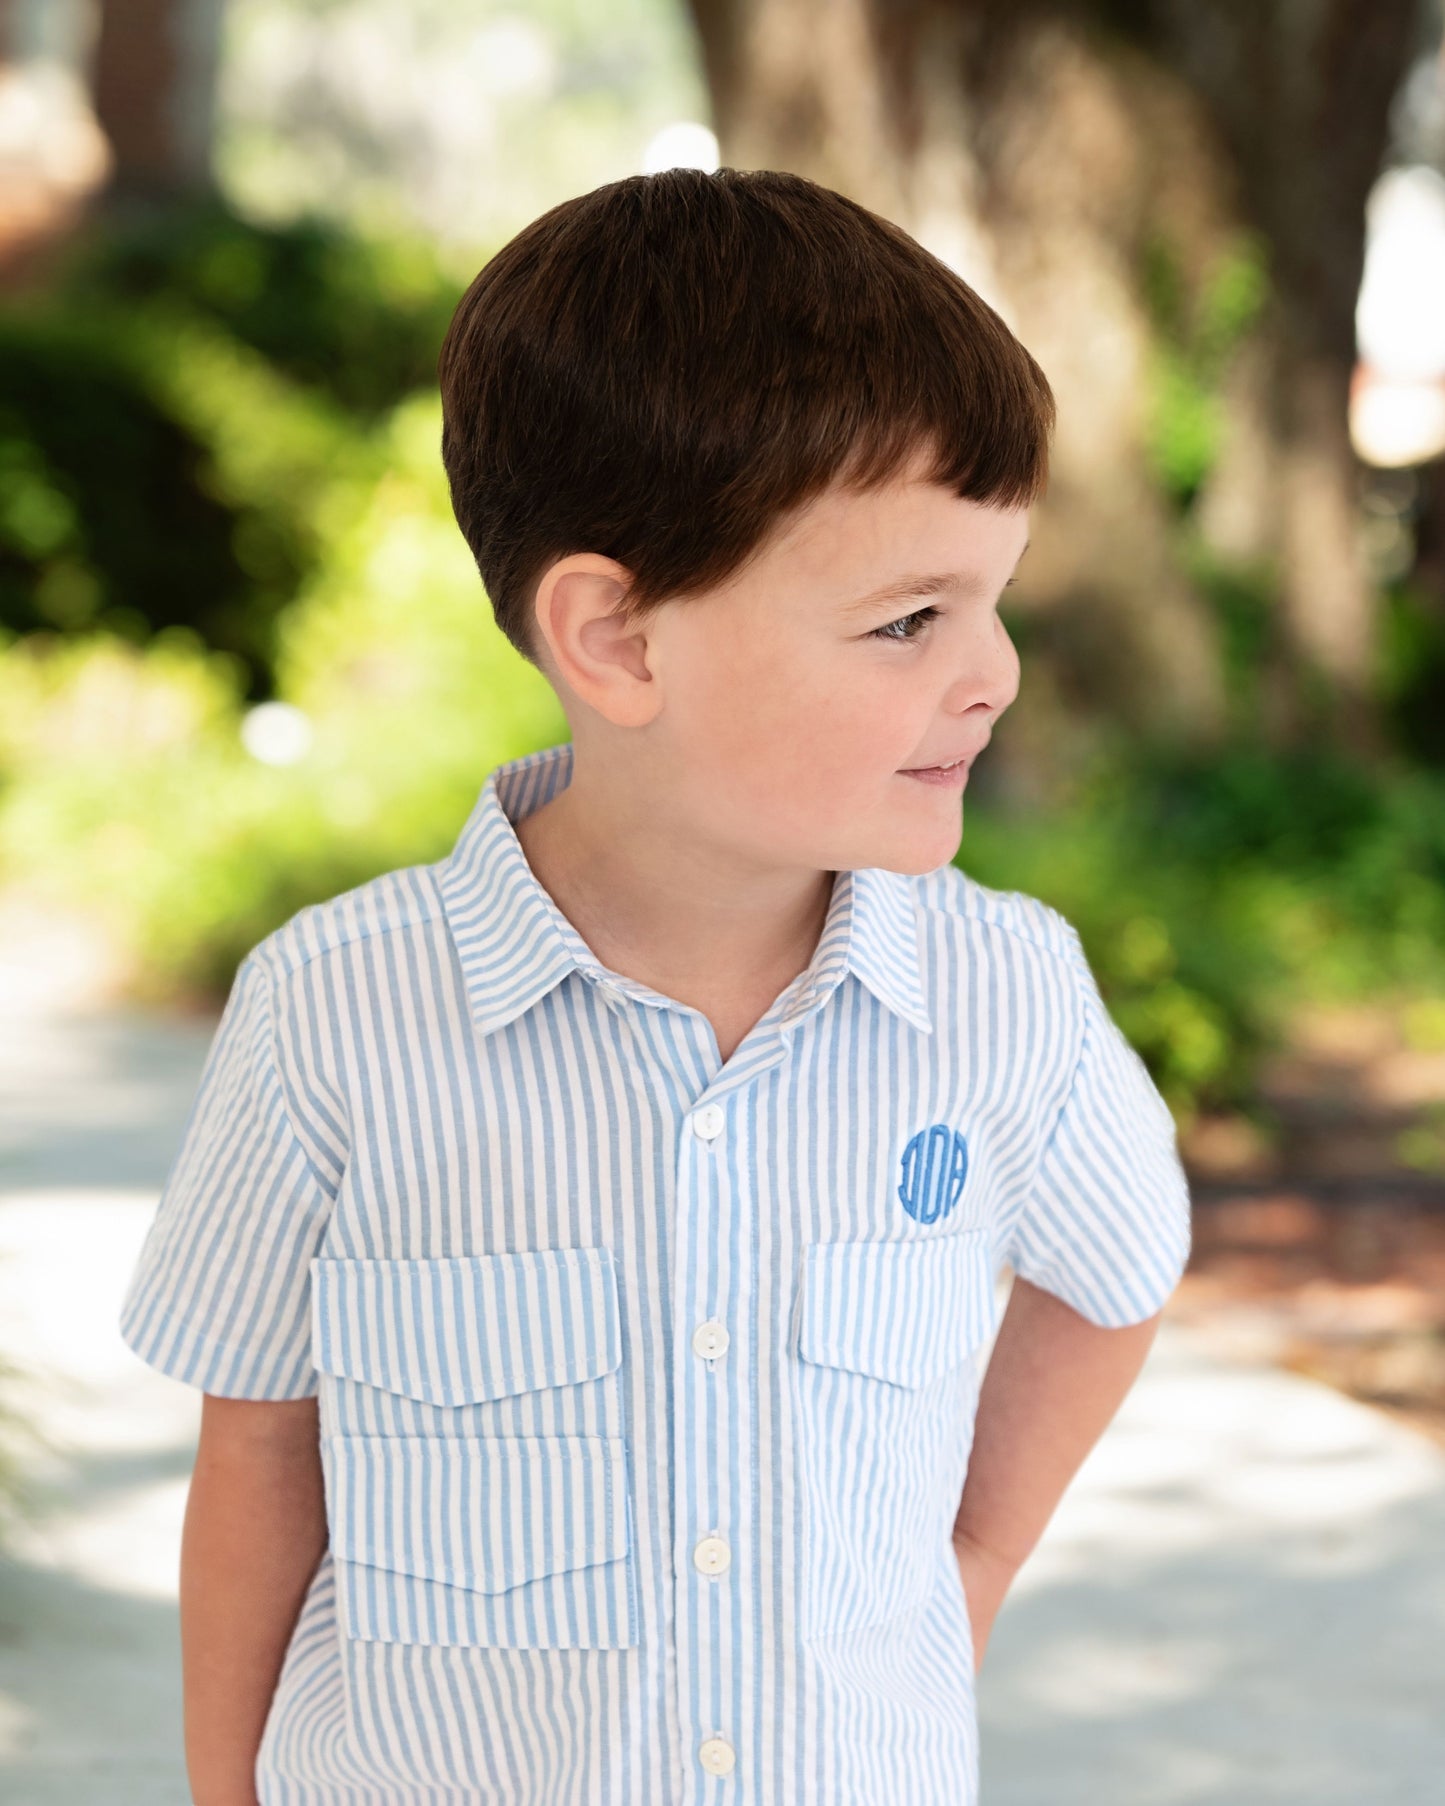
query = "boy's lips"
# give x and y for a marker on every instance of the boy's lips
(962, 758)
(948, 777)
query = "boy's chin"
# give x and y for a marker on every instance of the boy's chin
(915, 854)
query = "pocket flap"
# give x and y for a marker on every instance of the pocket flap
(459, 1329)
(900, 1311)
(485, 1512)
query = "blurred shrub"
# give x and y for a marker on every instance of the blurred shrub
(1412, 670)
(126, 786)
(1212, 893)
(170, 412)
(106, 515)
(152, 474)
(360, 318)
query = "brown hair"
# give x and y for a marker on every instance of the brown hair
(661, 369)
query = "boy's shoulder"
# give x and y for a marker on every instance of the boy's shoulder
(404, 898)
(950, 891)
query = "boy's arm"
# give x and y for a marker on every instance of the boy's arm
(255, 1528)
(1053, 1383)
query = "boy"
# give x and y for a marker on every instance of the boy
(587, 1243)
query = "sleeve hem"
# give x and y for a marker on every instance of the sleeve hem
(1118, 1313)
(171, 1346)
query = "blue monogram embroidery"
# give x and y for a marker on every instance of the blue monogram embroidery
(935, 1164)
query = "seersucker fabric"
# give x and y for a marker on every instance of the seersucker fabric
(645, 1380)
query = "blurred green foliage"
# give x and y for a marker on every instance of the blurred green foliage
(1411, 674)
(1196, 331)
(172, 409)
(125, 781)
(360, 319)
(166, 477)
(1213, 893)
(1243, 598)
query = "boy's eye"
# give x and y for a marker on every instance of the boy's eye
(889, 630)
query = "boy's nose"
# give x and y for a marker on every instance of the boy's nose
(986, 689)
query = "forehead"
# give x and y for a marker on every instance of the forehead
(913, 584)
(864, 540)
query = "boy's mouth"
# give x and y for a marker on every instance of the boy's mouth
(954, 773)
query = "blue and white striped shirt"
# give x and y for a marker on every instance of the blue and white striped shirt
(646, 1380)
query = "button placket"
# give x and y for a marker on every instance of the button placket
(711, 1188)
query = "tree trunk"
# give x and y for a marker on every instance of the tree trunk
(1299, 97)
(1053, 154)
(153, 83)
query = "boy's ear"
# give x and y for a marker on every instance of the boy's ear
(594, 652)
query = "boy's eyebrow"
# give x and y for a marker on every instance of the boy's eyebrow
(902, 588)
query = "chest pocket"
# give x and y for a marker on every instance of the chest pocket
(889, 1339)
(472, 1447)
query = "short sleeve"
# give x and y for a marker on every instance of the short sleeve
(1106, 1226)
(220, 1295)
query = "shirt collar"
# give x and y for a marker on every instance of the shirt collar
(515, 944)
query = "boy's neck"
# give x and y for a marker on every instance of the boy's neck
(668, 916)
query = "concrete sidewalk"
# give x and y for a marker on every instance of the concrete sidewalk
(1241, 1599)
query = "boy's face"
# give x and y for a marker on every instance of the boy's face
(780, 713)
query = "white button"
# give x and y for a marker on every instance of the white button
(716, 1755)
(711, 1555)
(708, 1121)
(710, 1339)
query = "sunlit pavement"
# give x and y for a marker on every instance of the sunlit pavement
(92, 1103)
(1241, 1599)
